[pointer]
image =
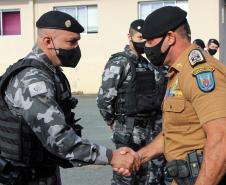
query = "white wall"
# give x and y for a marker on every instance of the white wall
(204, 19)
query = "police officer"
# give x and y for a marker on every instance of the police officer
(200, 43)
(193, 137)
(129, 100)
(37, 131)
(212, 46)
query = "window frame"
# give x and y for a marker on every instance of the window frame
(1, 22)
(160, 1)
(75, 7)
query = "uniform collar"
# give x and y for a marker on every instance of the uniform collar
(179, 63)
(39, 55)
(130, 52)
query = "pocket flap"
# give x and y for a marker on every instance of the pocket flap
(174, 104)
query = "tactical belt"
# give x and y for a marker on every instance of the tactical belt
(185, 172)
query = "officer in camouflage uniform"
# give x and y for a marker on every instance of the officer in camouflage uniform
(129, 100)
(37, 128)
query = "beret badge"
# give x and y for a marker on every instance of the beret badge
(67, 23)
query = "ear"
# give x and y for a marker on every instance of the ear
(171, 38)
(47, 41)
(129, 36)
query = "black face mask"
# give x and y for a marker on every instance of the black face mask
(155, 55)
(212, 51)
(68, 57)
(139, 47)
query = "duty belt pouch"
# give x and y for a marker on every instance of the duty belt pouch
(124, 136)
(179, 171)
(185, 172)
(194, 161)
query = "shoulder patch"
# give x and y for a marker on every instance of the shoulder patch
(196, 57)
(37, 88)
(205, 78)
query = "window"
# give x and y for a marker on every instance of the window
(145, 8)
(85, 15)
(10, 22)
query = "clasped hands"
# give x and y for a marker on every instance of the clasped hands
(125, 161)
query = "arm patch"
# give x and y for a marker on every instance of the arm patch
(37, 88)
(196, 57)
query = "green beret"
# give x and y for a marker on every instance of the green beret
(60, 21)
(163, 20)
(137, 25)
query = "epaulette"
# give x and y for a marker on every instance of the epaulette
(196, 57)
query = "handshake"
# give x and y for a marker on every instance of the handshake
(125, 161)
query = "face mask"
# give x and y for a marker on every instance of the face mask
(68, 57)
(139, 47)
(212, 51)
(155, 55)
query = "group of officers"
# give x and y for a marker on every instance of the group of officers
(211, 47)
(167, 112)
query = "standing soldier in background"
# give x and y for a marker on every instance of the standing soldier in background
(129, 100)
(37, 125)
(212, 46)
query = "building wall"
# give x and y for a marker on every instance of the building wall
(13, 47)
(204, 19)
(222, 30)
(114, 17)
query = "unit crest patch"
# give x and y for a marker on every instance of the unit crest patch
(196, 57)
(205, 78)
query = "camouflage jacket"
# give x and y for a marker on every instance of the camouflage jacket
(31, 94)
(116, 72)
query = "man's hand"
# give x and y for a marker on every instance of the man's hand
(125, 160)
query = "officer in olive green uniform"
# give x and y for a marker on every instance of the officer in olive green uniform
(193, 137)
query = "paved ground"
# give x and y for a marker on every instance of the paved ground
(95, 130)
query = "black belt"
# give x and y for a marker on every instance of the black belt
(185, 172)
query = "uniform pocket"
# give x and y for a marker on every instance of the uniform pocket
(175, 119)
(174, 104)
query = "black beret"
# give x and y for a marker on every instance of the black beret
(214, 41)
(200, 43)
(60, 21)
(137, 25)
(163, 20)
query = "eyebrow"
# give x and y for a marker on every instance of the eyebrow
(74, 39)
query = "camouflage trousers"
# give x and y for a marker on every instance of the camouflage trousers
(156, 173)
(144, 131)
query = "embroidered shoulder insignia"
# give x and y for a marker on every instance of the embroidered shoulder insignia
(196, 57)
(37, 88)
(205, 78)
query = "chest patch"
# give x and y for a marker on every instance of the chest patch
(205, 78)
